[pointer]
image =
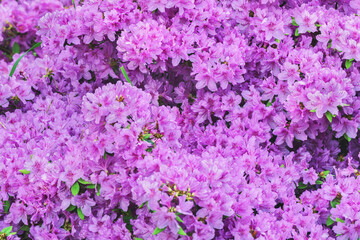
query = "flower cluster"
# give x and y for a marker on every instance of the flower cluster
(179, 119)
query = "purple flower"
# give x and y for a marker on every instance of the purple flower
(164, 218)
(306, 21)
(205, 79)
(84, 202)
(323, 103)
(19, 212)
(286, 131)
(346, 231)
(310, 176)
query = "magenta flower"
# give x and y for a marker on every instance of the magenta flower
(203, 231)
(164, 218)
(306, 21)
(310, 176)
(274, 28)
(205, 79)
(84, 202)
(286, 131)
(225, 119)
(346, 231)
(19, 212)
(323, 103)
(352, 50)
(158, 4)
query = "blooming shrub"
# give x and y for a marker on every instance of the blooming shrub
(238, 119)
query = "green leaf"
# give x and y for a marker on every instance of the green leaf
(314, 110)
(125, 75)
(318, 182)
(282, 166)
(158, 230)
(302, 185)
(348, 63)
(25, 228)
(297, 32)
(24, 171)
(71, 208)
(150, 141)
(105, 155)
(329, 44)
(82, 181)
(324, 174)
(142, 205)
(7, 230)
(6, 206)
(268, 103)
(138, 238)
(75, 188)
(73, 1)
(181, 232)
(347, 137)
(340, 220)
(91, 186)
(339, 234)
(329, 116)
(179, 219)
(80, 213)
(146, 136)
(329, 221)
(318, 25)
(17, 61)
(335, 202)
(16, 48)
(98, 189)
(277, 40)
(13, 233)
(293, 22)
